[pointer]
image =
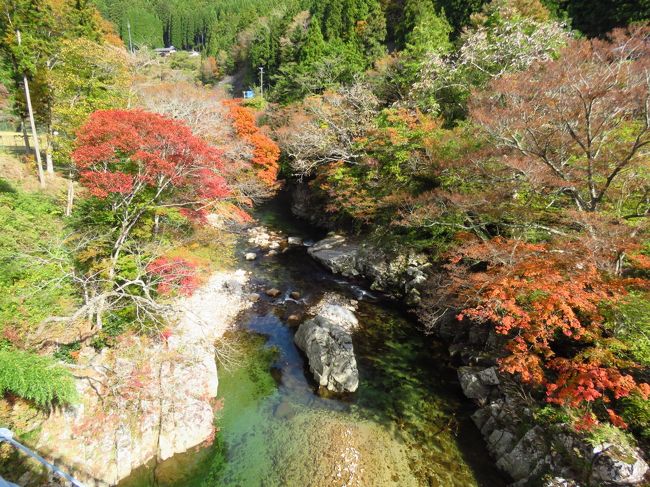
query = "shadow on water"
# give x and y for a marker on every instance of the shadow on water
(408, 421)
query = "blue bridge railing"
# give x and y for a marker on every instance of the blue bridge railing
(7, 436)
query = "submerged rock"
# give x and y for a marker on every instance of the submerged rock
(250, 256)
(293, 319)
(273, 292)
(327, 341)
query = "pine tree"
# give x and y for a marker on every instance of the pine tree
(314, 46)
(333, 21)
(430, 33)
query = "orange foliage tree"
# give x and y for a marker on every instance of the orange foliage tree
(266, 153)
(549, 304)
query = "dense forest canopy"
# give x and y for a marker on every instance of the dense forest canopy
(355, 33)
(215, 26)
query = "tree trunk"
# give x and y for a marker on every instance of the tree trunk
(70, 201)
(49, 164)
(32, 123)
(37, 149)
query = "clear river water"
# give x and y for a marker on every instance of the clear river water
(407, 425)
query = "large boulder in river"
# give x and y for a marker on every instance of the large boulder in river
(327, 341)
(338, 254)
(398, 272)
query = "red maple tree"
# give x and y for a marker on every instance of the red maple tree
(174, 274)
(138, 162)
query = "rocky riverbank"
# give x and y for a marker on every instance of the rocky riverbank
(528, 452)
(400, 275)
(147, 398)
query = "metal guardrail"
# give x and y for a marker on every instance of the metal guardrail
(7, 436)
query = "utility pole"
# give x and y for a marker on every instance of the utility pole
(128, 26)
(30, 111)
(261, 81)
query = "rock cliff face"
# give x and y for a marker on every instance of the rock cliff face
(397, 274)
(520, 447)
(326, 339)
(146, 398)
(306, 205)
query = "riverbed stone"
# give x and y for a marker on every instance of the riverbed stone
(273, 292)
(293, 319)
(295, 295)
(399, 273)
(250, 256)
(337, 253)
(284, 410)
(294, 241)
(501, 442)
(471, 383)
(489, 376)
(560, 482)
(528, 457)
(480, 416)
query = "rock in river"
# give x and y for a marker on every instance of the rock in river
(273, 292)
(327, 341)
(337, 254)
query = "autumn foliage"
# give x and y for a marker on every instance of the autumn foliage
(266, 153)
(549, 305)
(577, 126)
(126, 154)
(174, 274)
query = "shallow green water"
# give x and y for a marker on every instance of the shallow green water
(407, 425)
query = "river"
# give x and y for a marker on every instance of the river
(407, 425)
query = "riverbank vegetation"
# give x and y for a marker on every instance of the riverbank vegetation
(142, 169)
(508, 141)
